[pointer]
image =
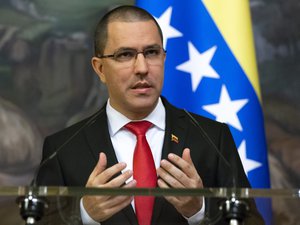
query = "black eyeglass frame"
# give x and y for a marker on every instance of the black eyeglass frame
(137, 52)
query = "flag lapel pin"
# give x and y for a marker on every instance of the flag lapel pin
(174, 138)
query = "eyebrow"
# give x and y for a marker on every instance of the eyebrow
(146, 47)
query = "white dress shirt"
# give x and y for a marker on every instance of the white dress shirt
(124, 144)
(124, 141)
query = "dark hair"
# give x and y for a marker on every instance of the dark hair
(126, 13)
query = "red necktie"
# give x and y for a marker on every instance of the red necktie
(144, 171)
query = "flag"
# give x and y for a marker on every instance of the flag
(211, 70)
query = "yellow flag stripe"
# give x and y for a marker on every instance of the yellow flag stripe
(234, 22)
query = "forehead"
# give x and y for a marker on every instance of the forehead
(132, 34)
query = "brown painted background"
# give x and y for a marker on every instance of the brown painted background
(47, 83)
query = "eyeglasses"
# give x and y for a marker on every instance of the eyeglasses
(153, 55)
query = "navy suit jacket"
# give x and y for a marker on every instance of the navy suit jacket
(76, 160)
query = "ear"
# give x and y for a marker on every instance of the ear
(97, 64)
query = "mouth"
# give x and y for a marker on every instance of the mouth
(142, 87)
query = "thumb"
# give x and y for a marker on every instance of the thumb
(100, 166)
(186, 155)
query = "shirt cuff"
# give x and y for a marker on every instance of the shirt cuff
(86, 219)
(196, 218)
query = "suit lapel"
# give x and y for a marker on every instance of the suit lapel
(98, 138)
(174, 140)
(176, 130)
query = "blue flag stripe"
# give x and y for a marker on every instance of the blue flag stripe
(201, 45)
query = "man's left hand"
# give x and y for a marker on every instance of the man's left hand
(179, 172)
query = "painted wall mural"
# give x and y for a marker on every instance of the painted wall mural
(47, 82)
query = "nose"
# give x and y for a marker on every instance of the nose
(140, 65)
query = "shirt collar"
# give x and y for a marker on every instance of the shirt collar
(116, 120)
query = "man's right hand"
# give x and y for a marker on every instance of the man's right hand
(101, 208)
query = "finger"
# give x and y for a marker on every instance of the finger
(114, 200)
(172, 199)
(186, 155)
(131, 184)
(101, 208)
(187, 167)
(120, 180)
(171, 174)
(106, 176)
(119, 204)
(100, 166)
(162, 184)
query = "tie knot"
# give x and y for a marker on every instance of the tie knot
(139, 127)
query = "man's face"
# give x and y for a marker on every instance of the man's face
(134, 87)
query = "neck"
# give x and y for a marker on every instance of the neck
(138, 114)
(135, 114)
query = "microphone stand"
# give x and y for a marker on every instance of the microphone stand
(32, 208)
(234, 210)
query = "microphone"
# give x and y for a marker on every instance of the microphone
(234, 210)
(212, 144)
(31, 206)
(87, 123)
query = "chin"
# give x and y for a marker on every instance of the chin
(145, 104)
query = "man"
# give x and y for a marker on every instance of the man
(129, 59)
